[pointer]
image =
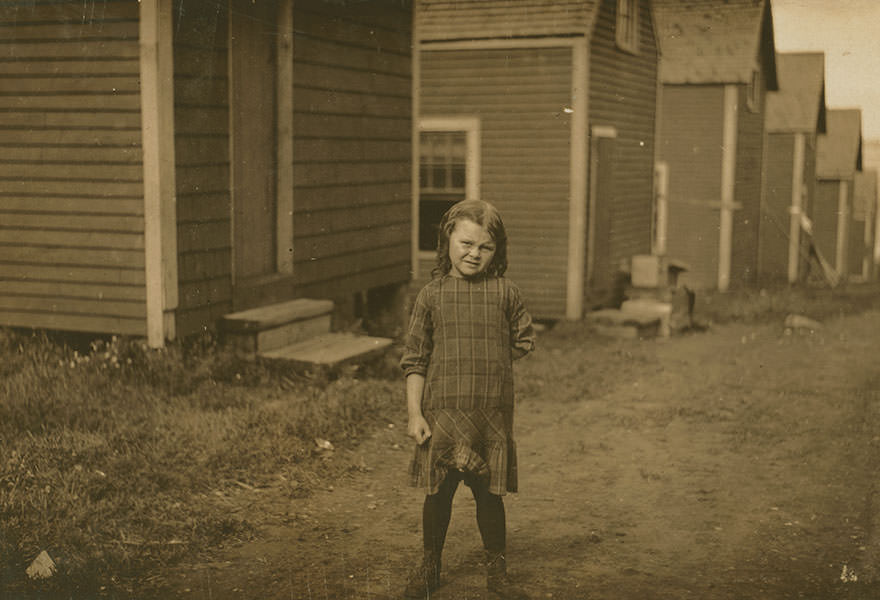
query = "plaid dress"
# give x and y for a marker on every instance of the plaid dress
(463, 337)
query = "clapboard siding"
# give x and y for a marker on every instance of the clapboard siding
(201, 147)
(690, 143)
(825, 218)
(747, 190)
(71, 189)
(352, 104)
(623, 94)
(525, 151)
(775, 216)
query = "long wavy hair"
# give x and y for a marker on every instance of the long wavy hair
(482, 213)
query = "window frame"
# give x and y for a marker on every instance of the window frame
(470, 126)
(626, 28)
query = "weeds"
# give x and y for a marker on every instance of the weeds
(118, 459)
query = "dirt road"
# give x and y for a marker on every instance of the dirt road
(736, 463)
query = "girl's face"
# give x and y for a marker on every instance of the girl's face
(471, 249)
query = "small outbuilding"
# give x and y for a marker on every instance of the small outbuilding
(545, 108)
(794, 117)
(718, 62)
(861, 242)
(167, 162)
(838, 159)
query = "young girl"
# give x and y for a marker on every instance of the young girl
(468, 325)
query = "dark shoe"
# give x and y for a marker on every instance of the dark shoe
(497, 581)
(424, 579)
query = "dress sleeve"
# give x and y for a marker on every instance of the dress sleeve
(419, 337)
(522, 334)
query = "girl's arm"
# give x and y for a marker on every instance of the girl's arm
(522, 334)
(418, 427)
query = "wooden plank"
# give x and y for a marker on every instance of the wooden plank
(351, 55)
(71, 171)
(93, 275)
(350, 127)
(342, 29)
(210, 122)
(350, 80)
(320, 173)
(331, 349)
(57, 304)
(73, 102)
(201, 265)
(54, 255)
(349, 265)
(192, 150)
(62, 83)
(351, 103)
(24, 50)
(118, 138)
(43, 220)
(347, 195)
(308, 249)
(129, 120)
(203, 179)
(74, 66)
(107, 29)
(83, 206)
(77, 239)
(284, 156)
(321, 222)
(210, 206)
(74, 290)
(205, 291)
(68, 322)
(203, 235)
(54, 154)
(73, 12)
(102, 189)
(383, 14)
(325, 150)
(198, 90)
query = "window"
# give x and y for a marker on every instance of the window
(627, 29)
(753, 92)
(447, 172)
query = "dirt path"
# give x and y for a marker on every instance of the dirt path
(738, 463)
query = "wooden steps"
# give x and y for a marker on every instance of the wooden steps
(630, 324)
(297, 333)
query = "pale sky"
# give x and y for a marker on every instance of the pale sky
(848, 31)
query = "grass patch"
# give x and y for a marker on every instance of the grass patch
(118, 460)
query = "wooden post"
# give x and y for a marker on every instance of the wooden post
(728, 178)
(284, 124)
(160, 205)
(840, 253)
(794, 227)
(577, 209)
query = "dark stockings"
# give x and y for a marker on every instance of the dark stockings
(437, 512)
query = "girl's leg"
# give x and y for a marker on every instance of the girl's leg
(490, 518)
(436, 513)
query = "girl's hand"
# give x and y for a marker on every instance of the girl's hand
(418, 429)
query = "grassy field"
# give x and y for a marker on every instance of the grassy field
(115, 459)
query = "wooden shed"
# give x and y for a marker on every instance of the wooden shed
(718, 61)
(795, 115)
(838, 158)
(546, 108)
(167, 162)
(861, 242)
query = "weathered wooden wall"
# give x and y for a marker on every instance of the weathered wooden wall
(623, 94)
(747, 190)
(775, 217)
(71, 189)
(825, 218)
(519, 95)
(201, 123)
(690, 143)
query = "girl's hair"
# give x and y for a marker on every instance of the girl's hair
(482, 213)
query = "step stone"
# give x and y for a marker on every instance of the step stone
(329, 350)
(277, 325)
(629, 324)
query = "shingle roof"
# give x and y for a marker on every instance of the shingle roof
(799, 105)
(492, 19)
(714, 41)
(839, 151)
(864, 194)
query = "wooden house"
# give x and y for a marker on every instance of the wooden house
(794, 117)
(838, 158)
(717, 64)
(163, 163)
(861, 242)
(545, 108)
